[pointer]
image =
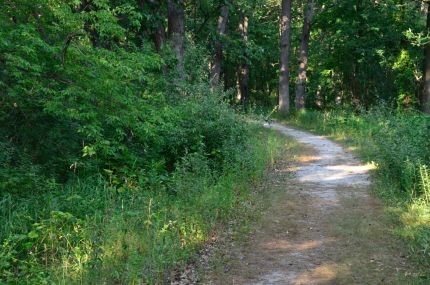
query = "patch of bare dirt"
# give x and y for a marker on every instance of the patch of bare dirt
(323, 226)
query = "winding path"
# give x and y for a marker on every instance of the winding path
(323, 226)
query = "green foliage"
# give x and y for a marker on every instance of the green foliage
(114, 171)
(361, 54)
(406, 74)
(111, 171)
(92, 230)
(59, 238)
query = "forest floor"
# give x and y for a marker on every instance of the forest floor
(322, 225)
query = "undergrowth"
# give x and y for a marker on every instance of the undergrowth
(398, 143)
(113, 170)
(90, 231)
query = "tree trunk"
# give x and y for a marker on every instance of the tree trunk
(159, 34)
(355, 85)
(216, 63)
(284, 92)
(244, 67)
(303, 59)
(176, 21)
(159, 37)
(425, 96)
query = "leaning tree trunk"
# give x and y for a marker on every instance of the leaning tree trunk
(425, 96)
(284, 92)
(176, 21)
(244, 67)
(216, 62)
(303, 60)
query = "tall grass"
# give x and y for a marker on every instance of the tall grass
(399, 144)
(91, 232)
(425, 183)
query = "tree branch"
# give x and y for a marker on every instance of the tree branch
(66, 45)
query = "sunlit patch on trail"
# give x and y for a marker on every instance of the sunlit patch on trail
(342, 174)
(319, 275)
(303, 246)
(322, 274)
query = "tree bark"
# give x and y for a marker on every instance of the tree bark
(244, 67)
(159, 37)
(303, 58)
(218, 53)
(355, 85)
(159, 34)
(284, 92)
(176, 27)
(425, 96)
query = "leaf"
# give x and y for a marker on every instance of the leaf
(33, 235)
(88, 151)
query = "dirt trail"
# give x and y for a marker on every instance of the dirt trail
(323, 226)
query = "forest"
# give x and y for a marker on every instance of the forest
(131, 129)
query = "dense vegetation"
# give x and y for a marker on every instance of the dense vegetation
(112, 167)
(121, 140)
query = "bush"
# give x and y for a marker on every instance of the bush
(111, 171)
(142, 200)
